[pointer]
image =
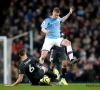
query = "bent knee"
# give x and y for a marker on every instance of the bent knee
(43, 57)
(66, 42)
(52, 65)
(44, 54)
(64, 63)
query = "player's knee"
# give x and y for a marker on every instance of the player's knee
(64, 63)
(52, 65)
(43, 57)
(67, 42)
(44, 54)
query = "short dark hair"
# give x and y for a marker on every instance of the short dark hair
(22, 52)
(56, 9)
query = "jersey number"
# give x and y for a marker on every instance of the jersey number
(31, 69)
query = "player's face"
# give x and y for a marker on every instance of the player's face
(55, 15)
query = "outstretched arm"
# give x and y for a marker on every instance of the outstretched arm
(66, 16)
(20, 78)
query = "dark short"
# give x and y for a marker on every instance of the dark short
(36, 79)
(57, 57)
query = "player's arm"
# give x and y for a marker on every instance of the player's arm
(19, 80)
(20, 77)
(66, 16)
(45, 31)
(44, 26)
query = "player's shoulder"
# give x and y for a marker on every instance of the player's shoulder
(32, 58)
(48, 18)
(21, 65)
(59, 17)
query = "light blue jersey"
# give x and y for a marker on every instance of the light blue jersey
(53, 25)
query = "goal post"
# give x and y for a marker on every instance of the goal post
(6, 43)
(3, 39)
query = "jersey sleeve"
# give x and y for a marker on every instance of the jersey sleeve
(44, 23)
(60, 19)
(21, 69)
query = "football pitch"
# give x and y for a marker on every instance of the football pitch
(78, 86)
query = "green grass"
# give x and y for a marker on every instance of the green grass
(87, 86)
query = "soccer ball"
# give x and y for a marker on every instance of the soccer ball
(45, 79)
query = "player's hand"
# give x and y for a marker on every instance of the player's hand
(71, 10)
(48, 31)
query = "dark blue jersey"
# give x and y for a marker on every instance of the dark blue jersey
(30, 67)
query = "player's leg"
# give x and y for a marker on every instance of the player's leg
(55, 71)
(64, 70)
(39, 75)
(53, 59)
(67, 43)
(36, 77)
(48, 72)
(52, 65)
(43, 56)
(63, 59)
(48, 43)
(35, 81)
(51, 74)
(44, 70)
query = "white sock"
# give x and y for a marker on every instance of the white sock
(62, 78)
(70, 52)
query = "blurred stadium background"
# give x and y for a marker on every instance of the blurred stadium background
(82, 29)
